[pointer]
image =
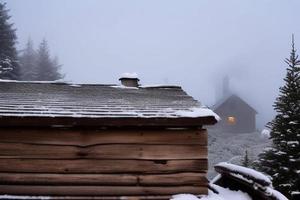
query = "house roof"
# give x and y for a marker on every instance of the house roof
(230, 98)
(56, 103)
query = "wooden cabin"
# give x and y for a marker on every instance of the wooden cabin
(108, 141)
(236, 114)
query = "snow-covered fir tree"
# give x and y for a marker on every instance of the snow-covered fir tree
(9, 68)
(28, 63)
(47, 68)
(282, 161)
(246, 162)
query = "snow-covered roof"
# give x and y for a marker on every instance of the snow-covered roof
(57, 99)
(231, 98)
(129, 75)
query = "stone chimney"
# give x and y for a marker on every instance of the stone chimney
(129, 80)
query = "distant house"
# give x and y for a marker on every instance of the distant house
(70, 140)
(237, 115)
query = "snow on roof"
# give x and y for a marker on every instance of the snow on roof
(129, 75)
(246, 173)
(198, 112)
(57, 99)
(15, 81)
(160, 86)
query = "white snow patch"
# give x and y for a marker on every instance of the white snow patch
(15, 81)
(292, 142)
(197, 112)
(129, 75)
(75, 85)
(265, 133)
(23, 197)
(224, 194)
(216, 178)
(295, 193)
(275, 193)
(158, 86)
(293, 122)
(124, 87)
(185, 197)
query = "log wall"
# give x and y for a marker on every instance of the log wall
(83, 162)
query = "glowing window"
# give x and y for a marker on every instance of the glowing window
(231, 120)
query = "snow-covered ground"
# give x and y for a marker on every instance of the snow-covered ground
(224, 194)
(231, 147)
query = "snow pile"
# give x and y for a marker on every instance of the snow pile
(129, 75)
(246, 172)
(197, 112)
(224, 194)
(265, 133)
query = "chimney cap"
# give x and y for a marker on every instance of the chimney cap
(129, 76)
(129, 80)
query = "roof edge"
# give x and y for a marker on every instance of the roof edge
(31, 121)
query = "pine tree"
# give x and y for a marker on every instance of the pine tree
(47, 68)
(246, 160)
(56, 69)
(28, 63)
(9, 68)
(282, 161)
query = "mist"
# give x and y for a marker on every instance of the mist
(193, 43)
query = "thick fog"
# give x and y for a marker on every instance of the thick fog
(189, 43)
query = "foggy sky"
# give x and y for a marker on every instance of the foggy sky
(192, 43)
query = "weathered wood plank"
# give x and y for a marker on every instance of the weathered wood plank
(119, 151)
(68, 179)
(92, 137)
(174, 179)
(177, 179)
(101, 166)
(98, 190)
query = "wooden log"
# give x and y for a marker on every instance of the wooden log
(253, 189)
(92, 137)
(231, 172)
(68, 179)
(177, 179)
(98, 190)
(115, 151)
(101, 166)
